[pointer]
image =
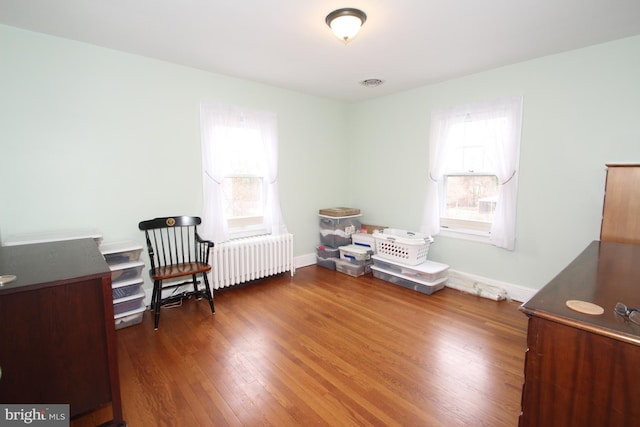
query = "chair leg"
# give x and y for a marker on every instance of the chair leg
(157, 293)
(194, 278)
(153, 296)
(209, 294)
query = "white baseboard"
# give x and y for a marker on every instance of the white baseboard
(304, 260)
(466, 282)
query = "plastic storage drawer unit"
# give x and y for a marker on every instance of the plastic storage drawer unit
(126, 271)
(126, 288)
(129, 318)
(120, 252)
(129, 303)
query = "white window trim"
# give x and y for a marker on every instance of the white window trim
(465, 234)
(503, 228)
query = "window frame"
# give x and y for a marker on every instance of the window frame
(503, 145)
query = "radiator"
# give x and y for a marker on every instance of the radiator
(241, 260)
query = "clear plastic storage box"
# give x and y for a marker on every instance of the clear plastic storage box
(410, 283)
(352, 268)
(329, 263)
(326, 256)
(428, 271)
(354, 253)
(364, 240)
(406, 247)
(327, 252)
(337, 231)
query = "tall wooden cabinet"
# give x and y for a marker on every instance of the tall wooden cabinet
(621, 210)
(57, 334)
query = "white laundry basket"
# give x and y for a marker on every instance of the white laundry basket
(406, 247)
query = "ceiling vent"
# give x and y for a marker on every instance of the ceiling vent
(371, 82)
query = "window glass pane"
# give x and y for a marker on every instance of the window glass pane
(243, 196)
(471, 197)
(468, 140)
(245, 169)
(244, 153)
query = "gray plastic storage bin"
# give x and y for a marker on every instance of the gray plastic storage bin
(329, 263)
(327, 252)
(337, 231)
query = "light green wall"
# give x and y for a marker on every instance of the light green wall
(581, 110)
(95, 138)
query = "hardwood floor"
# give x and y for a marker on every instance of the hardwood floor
(324, 349)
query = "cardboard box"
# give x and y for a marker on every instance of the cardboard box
(369, 229)
(336, 212)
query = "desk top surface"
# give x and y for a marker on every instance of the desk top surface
(49, 264)
(604, 274)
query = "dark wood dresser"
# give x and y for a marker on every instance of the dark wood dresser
(583, 369)
(57, 334)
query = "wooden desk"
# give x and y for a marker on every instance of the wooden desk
(57, 334)
(580, 369)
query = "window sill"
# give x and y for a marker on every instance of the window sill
(473, 235)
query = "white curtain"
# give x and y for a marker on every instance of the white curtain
(502, 149)
(216, 121)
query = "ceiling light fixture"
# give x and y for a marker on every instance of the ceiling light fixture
(345, 23)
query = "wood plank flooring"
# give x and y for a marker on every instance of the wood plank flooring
(324, 349)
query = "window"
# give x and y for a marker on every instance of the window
(243, 181)
(470, 189)
(473, 156)
(239, 157)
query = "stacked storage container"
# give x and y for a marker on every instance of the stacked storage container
(336, 227)
(354, 260)
(401, 259)
(123, 259)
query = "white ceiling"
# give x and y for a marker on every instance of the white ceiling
(286, 43)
